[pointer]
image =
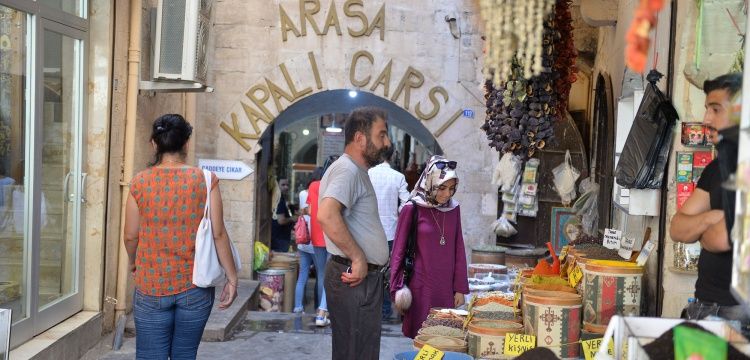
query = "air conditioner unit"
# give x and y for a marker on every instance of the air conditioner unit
(181, 40)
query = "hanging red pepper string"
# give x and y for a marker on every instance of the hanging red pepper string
(656, 41)
(636, 49)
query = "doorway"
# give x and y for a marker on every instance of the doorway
(304, 135)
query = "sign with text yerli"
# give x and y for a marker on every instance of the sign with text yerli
(575, 276)
(591, 347)
(517, 344)
(226, 169)
(428, 352)
(612, 239)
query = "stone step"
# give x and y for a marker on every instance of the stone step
(221, 323)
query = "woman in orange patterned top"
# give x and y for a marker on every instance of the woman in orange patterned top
(163, 211)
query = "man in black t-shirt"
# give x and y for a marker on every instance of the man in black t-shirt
(281, 227)
(701, 218)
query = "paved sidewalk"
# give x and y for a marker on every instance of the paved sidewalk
(268, 336)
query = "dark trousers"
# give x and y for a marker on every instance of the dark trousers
(355, 314)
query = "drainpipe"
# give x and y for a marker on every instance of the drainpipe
(131, 102)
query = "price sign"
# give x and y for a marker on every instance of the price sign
(564, 253)
(645, 252)
(591, 347)
(429, 353)
(575, 276)
(517, 344)
(612, 239)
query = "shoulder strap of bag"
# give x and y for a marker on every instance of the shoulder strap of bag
(411, 243)
(207, 209)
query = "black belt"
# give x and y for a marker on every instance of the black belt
(347, 262)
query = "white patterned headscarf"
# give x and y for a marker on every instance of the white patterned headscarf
(432, 177)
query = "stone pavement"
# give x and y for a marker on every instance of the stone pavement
(268, 336)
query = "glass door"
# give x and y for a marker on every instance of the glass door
(41, 178)
(58, 177)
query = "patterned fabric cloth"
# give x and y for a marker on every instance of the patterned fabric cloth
(431, 178)
(390, 188)
(171, 203)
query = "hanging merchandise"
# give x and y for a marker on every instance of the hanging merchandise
(637, 41)
(503, 228)
(646, 152)
(565, 54)
(522, 109)
(514, 30)
(587, 206)
(528, 202)
(565, 176)
(507, 172)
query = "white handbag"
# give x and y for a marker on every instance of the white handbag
(207, 270)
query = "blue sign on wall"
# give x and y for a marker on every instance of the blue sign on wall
(468, 113)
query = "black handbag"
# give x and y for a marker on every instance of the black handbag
(411, 248)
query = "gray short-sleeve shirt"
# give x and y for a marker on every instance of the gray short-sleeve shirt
(350, 185)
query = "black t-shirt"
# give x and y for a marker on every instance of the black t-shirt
(714, 269)
(281, 232)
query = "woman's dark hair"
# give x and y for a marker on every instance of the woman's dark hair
(317, 174)
(170, 133)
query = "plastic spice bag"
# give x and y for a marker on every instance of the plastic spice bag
(260, 258)
(565, 176)
(506, 172)
(503, 227)
(587, 206)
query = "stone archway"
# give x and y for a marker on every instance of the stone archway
(325, 102)
(339, 101)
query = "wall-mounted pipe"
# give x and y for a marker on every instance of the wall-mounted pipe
(131, 106)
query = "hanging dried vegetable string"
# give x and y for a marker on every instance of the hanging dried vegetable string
(520, 112)
(514, 30)
(565, 54)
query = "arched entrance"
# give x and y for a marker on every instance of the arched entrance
(304, 134)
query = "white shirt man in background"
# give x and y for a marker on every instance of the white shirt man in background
(390, 190)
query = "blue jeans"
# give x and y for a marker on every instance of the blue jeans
(305, 260)
(171, 326)
(320, 258)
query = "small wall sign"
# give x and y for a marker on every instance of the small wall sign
(226, 169)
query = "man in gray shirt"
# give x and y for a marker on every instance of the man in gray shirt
(348, 215)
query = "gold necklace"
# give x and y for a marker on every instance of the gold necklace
(442, 229)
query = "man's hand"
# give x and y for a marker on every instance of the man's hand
(358, 273)
(712, 217)
(715, 238)
(458, 300)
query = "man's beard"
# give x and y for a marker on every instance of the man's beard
(373, 156)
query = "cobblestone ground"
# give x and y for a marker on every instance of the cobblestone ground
(269, 336)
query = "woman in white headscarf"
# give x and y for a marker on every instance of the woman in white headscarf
(438, 275)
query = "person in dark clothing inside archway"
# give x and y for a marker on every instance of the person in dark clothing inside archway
(283, 221)
(701, 218)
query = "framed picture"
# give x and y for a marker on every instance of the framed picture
(565, 227)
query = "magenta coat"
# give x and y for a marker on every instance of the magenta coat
(439, 270)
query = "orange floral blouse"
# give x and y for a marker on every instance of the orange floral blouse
(170, 202)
